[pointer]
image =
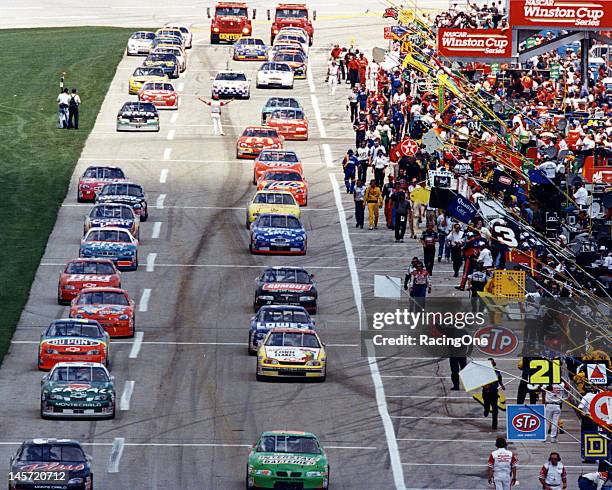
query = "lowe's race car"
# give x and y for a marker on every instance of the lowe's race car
(276, 316)
(278, 234)
(112, 214)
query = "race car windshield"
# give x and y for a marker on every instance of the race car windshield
(158, 86)
(161, 57)
(143, 35)
(122, 189)
(288, 114)
(283, 176)
(103, 173)
(278, 221)
(47, 453)
(287, 37)
(289, 57)
(274, 198)
(287, 275)
(260, 133)
(288, 444)
(282, 102)
(73, 330)
(251, 42)
(236, 77)
(138, 107)
(145, 71)
(276, 316)
(105, 235)
(291, 13)
(231, 12)
(278, 156)
(90, 268)
(291, 339)
(123, 212)
(169, 32)
(103, 298)
(275, 67)
(79, 373)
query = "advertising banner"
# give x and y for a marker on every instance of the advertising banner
(475, 43)
(577, 14)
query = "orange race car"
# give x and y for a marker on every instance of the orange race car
(111, 307)
(86, 273)
(254, 139)
(161, 94)
(285, 180)
(276, 160)
(291, 123)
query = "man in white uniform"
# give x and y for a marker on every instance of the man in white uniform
(501, 468)
(215, 112)
(553, 398)
(553, 475)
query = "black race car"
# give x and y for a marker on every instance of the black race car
(286, 286)
(138, 116)
(60, 464)
(125, 193)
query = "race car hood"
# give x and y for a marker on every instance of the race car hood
(292, 354)
(106, 311)
(275, 185)
(230, 83)
(115, 222)
(159, 63)
(82, 279)
(279, 232)
(273, 208)
(82, 342)
(78, 391)
(289, 461)
(116, 247)
(286, 287)
(280, 165)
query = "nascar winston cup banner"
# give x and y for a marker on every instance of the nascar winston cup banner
(475, 43)
(577, 14)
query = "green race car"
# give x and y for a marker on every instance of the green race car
(274, 103)
(287, 459)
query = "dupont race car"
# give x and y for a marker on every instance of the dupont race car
(250, 49)
(230, 22)
(113, 215)
(276, 316)
(57, 462)
(291, 123)
(233, 84)
(285, 180)
(72, 340)
(126, 193)
(296, 60)
(291, 352)
(276, 160)
(144, 74)
(111, 307)
(79, 390)
(287, 459)
(254, 139)
(137, 116)
(281, 234)
(96, 177)
(275, 75)
(167, 62)
(86, 273)
(161, 94)
(274, 103)
(286, 286)
(115, 244)
(140, 43)
(271, 202)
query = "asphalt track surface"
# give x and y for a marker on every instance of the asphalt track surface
(195, 407)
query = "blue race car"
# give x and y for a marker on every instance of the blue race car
(115, 244)
(276, 316)
(278, 234)
(250, 49)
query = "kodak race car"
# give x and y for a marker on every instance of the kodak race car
(176, 51)
(271, 202)
(287, 459)
(115, 244)
(112, 215)
(250, 49)
(86, 273)
(111, 307)
(185, 33)
(276, 316)
(144, 74)
(291, 352)
(285, 180)
(126, 193)
(77, 390)
(167, 62)
(231, 84)
(274, 103)
(290, 123)
(161, 94)
(276, 160)
(138, 116)
(275, 75)
(254, 139)
(280, 234)
(140, 43)
(230, 22)
(286, 286)
(73, 340)
(96, 177)
(296, 60)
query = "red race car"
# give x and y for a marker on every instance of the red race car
(161, 94)
(276, 160)
(86, 273)
(285, 180)
(291, 123)
(256, 138)
(96, 177)
(111, 307)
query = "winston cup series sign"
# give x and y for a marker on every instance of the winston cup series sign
(577, 14)
(475, 43)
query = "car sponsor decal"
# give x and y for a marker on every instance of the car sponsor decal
(285, 286)
(80, 387)
(288, 459)
(283, 184)
(102, 309)
(72, 341)
(51, 467)
(292, 353)
(88, 277)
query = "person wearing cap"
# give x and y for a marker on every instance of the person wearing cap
(428, 239)
(416, 281)
(501, 466)
(402, 209)
(359, 198)
(373, 200)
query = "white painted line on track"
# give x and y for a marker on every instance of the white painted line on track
(171, 134)
(484, 463)
(476, 441)
(151, 261)
(143, 305)
(432, 397)
(128, 390)
(174, 117)
(160, 201)
(156, 229)
(310, 78)
(412, 376)
(327, 155)
(435, 417)
(136, 345)
(139, 343)
(222, 266)
(177, 160)
(317, 111)
(167, 153)
(115, 455)
(163, 176)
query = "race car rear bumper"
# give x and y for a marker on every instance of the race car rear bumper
(309, 306)
(145, 126)
(258, 481)
(47, 361)
(290, 372)
(50, 411)
(271, 250)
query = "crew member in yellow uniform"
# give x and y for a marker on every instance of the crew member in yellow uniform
(373, 199)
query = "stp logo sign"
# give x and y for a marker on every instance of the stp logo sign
(526, 422)
(501, 340)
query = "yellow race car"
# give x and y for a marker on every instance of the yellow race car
(274, 202)
(144, 74)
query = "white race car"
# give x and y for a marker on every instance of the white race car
(140, 43)
(187, 35)
(231, 84)
(275, 75)
(176, 51)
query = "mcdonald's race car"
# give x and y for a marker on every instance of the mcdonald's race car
(161, 94)
(96, 177)
(140, 43)
(86, 273)
(276, 316)
(296, 60)
(290, 123)
(72, 340)
(126, 193)
(112, 215)
(279, 234)
(144, 74)
(250, 49)
(167, 62)
(271, 202)
(115, 244)
(138, 116)
(285, 180)
(291, 352)
(254, 139)
(276, 160)
(111, 307)
(287, 459)
(275, 75)
(77, 390)
(286, 286)
(274, 103)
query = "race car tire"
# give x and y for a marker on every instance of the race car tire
(257, 85)
(214, 39)
(291, 86)
(146, 216)
(251, 351)
(79, 199)
(42, 416)
(247, 96)
(248, 487)
(112, 417)
(254, 179)
(247, 224)
(60, 301)
(310, 41)
(259, 377)
(92, 483)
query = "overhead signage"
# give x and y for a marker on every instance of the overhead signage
(475, 43)
(561, 14)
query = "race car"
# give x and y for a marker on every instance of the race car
(286, 286)
(77, 390)
(231, 84)
(301, 34)
(254, 139)
(296, 60)
(144, 74)
(276, 160)
(274, 103)
(287, 459)
(292, 37)
(266, 202)
(167, 62)
(176, 51)
(281, 234)
(111, 307)
(115, 244)
(161, 94)
(270, 316)
(185, 33)
(250, 49)
(138, 116)
(112, 214)
(126, 193)
(286, 47)
(174, 41)
(39, 460)
(96, 177)
(285, 180)
(170, 32)
(291, 123)
(275, 75)
(140, 43)
(86, 273)
(291, 352)
(72, 340)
